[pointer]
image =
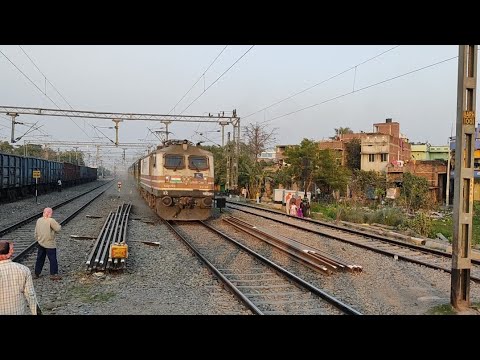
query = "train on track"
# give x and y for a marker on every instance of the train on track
(177, 180)
(16, 175)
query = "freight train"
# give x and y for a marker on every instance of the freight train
(177, 180)
(16, 175)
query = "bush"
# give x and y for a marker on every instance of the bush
(421, 224)
(388, 216)
(351, 215)
(326, 210)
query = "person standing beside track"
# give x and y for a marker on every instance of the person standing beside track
(45, 230)
(287, 203)
(16, 285)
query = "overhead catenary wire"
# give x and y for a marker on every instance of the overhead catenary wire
(3, 117)
(45, 76)
(321, 82)
(49, 98)
(58, 92)
(360, 89)
(209, 86)
(203, 74)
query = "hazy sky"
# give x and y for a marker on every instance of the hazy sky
(152, 79)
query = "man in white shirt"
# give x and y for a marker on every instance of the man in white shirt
(16, 285)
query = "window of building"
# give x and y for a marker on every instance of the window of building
(174, 162)
(371, 157)
(383, 157)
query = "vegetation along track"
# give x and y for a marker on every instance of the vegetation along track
(21, 233)
(431, 258)
(263, 286)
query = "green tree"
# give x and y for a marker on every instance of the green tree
(33, 150)
(362, 181)
(308, 164)
(282, 176)
(353, 148)
(220, 163)
(6, 147)
(330, 176)
(303, 161)
(415, 191)
(340, 131)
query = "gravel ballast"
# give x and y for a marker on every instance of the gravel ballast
(385, 286)
(169, 280)
(158, 280)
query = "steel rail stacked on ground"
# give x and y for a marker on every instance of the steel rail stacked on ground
(431, 258)
(254, 300)
(114, 231)
(313, 258)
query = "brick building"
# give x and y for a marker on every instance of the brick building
(384, 146)
(435, 171)
(338, 145)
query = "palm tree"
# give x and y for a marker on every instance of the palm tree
(340, 131)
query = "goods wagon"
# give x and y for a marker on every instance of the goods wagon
(16, 175)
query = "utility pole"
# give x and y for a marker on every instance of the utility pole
(166, 122)
(25, 152)
(222, 124)
(447, 190)
(13, 115)
(124, 155)
(97, 157)
(463, 188)
(236, 151)
(58, 154)
(116, 121)
(228, 182)
(76, 154)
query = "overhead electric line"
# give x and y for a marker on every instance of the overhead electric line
(58, 92)
(198, 79)
(6, 57)
(361, 89)
(319, 83)
(204, 91)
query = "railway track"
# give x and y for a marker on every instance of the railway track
(263, 286)
(431, 258)
(21, 233)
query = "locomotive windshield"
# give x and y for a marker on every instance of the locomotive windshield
(174, 162)
(198, 162)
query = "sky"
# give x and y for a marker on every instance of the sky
(153, 79)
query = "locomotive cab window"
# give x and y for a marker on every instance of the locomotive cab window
(198, 163)
(174, 162)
